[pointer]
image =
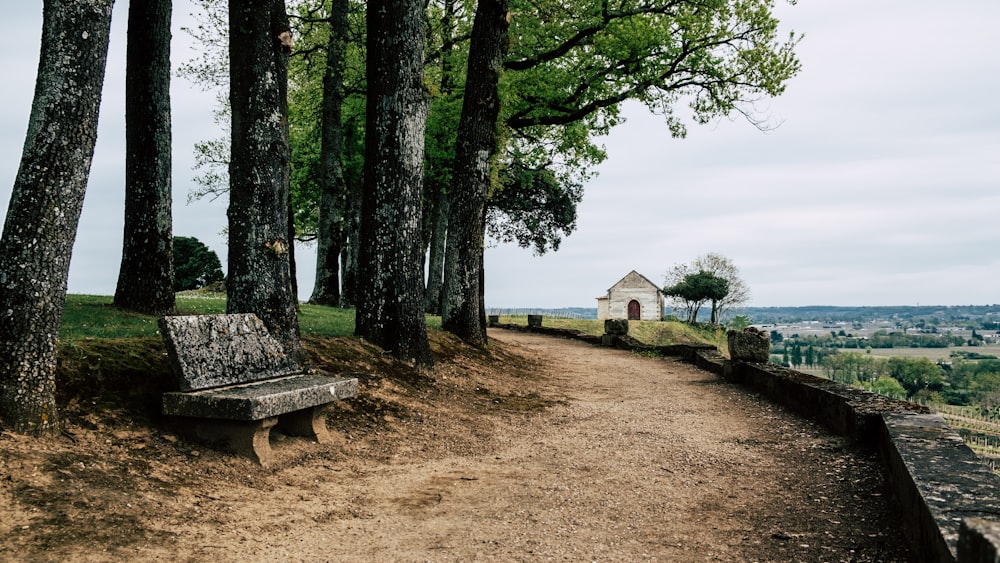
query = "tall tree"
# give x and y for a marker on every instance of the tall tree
(195, 265)
(145, 279)
(45, 207)
(723, 267)
(440, 143)
(697, 288)
(352, 222)
(260, 278)
(333, 196)
(463, 312)
(390, 310)
(570, 71)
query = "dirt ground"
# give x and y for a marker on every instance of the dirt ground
(547, 449)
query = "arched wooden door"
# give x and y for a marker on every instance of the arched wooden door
(634, 310)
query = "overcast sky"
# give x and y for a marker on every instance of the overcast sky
(881, 185)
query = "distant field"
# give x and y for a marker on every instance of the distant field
(933, 354)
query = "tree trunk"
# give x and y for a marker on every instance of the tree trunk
(463, 310)
(352, 226)
(435, 262)
(145, 280)
(390, 309)
(260, 279)
(438, 184)
(45, 206)
(330, 234)
(293, 280)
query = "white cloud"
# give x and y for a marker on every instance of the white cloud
(879, 186)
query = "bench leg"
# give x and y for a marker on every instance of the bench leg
(310, 423)
(250, 438)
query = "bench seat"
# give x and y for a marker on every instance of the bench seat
(236, 383)
(261, 399)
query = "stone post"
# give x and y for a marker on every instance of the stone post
(751, 345)
(534, 321)
(493, 320)
(613, 330)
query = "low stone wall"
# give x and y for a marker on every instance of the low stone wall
(949, 499)
(936, 479)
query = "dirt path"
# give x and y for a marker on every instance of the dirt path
(641, 459)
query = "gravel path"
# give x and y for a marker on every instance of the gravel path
(645, 460)
(634, 459)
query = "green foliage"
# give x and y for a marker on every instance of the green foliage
(567, 72)
(533, 207)
(577, 65)
(795, 355)
(739, 322)
(195, 265)
(888, 387)
(919, 377)
(719, 266)
(916, 374)
(653, 353)
(697, 288)
(853, 367)
(974, 382)
(879, 339)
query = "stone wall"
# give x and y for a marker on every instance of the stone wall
(936, 479)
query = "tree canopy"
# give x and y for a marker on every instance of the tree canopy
(717, 265)
(696, 289)
(195, 265)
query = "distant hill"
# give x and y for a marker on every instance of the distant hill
(562, 313)
(937, 313)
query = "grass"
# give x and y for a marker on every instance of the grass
(655, 333)
(94, 316)
(110, 356)
(116, 358)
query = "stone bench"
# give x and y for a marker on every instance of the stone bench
(236, 383)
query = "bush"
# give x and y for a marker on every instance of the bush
(195, 265)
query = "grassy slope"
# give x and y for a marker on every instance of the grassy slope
(114, 358)
(648, 332)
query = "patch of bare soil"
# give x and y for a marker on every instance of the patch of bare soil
(544, 449)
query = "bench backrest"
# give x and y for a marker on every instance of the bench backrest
(214, 350)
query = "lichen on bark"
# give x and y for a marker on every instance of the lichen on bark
(45, 207)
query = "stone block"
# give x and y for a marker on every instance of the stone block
(616, 326)
(750, 345)
(493, 320)
(258, 400)
(534, 321)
